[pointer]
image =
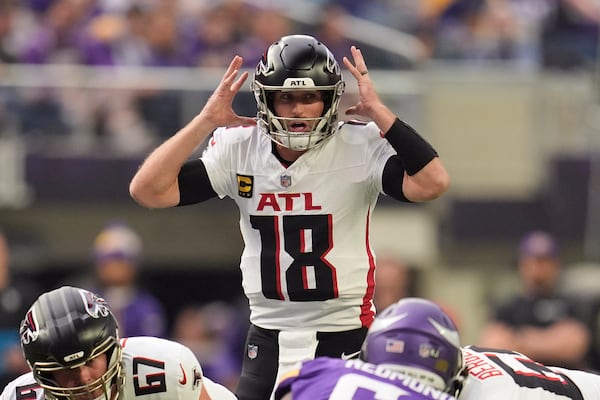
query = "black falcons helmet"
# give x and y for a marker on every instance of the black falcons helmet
(65, 328)
(297, 62)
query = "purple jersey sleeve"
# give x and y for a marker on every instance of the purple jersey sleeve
(328, 378)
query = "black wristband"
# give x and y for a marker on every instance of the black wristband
(414, 151)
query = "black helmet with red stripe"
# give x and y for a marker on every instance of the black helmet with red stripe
(66, 328)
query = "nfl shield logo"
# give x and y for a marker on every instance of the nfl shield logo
(285, 180)
(426, 351)
(252, 351)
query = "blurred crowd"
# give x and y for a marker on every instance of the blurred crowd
(207, 33)
(535, 34)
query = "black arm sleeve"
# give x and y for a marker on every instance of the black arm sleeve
(393, 175)
(194, 185)
(414, 151)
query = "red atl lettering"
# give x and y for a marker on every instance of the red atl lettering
(289, 200)
(308, 203)
(268, 200)
(286, 201)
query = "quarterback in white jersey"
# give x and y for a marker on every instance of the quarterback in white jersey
(69, 338)
(305, 227)
(306, 185)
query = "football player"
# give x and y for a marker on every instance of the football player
(71, 341)
(306, 184)
(415, 331)
(414, 336)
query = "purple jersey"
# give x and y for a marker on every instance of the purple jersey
(338, 379)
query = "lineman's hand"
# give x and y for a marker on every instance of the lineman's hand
(218, 109)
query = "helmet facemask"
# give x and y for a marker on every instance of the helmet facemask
(106, 387)
(278, 129)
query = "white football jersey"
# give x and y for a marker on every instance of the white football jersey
(307, 260)
(507, 375)
(155, 369)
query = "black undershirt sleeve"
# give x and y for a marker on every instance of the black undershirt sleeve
(393, 176)
(194, 184)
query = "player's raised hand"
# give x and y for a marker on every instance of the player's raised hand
(368, 99)
(218, 109)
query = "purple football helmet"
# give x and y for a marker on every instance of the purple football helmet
(414, 336)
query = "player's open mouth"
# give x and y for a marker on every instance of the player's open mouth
(298, 127)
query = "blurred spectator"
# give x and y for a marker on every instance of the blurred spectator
(16, 296)
(115, 38)
(162, 109)
(330, 30)
(214, 35)
(163, 38)
(475, 30)
(583, 280)
(117, 254)
(541, 322)
(214, 334)
(570, 34)
(6, 24)
(394, 280)
(132, 48)
(101, 38)
(263, 27)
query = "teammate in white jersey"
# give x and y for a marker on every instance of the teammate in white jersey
(306, 185)
(71, 342)
(408, 337)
